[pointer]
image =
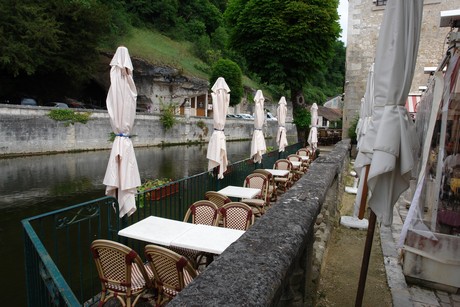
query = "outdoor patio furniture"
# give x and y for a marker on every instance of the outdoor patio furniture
(202, 212)
(261, 201)
(272, 193)
(297, 172)
(237, 215)
(121, 271)
(217, 198)
(171, 272)
(305, 152)
(283, 182)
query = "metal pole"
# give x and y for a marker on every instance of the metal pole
(366, 256)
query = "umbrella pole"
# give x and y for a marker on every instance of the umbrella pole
(362, 205)
(366, 256)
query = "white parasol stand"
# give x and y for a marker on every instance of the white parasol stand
(313, 134)
(122, 175)
(217, 148)
(281, 112)
(258, 146)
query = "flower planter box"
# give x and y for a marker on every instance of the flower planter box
(163, 192)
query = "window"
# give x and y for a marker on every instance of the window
(380, 2)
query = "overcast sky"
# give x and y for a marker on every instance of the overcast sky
(343, 13)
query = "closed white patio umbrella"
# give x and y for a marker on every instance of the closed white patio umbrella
(217, 148)
(391, 127)
(122, 175)
(258, 146)
(392, 159)
(281, 112)
(313, 135)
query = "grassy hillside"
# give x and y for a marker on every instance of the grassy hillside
(161, 50)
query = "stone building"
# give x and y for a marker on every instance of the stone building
(364, 20)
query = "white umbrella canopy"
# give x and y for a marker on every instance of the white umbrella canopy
(281, 112)
(217, 148)
(313, 135)
(258, 146)
(122, 174)
(396, 55)
(365, 143)
(365, 115)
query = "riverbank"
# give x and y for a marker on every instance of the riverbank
(29, 130)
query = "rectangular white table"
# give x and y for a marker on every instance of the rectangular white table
(166, 232)
(156, 230)
(278, 172)
(210, 239)
(239, 192)
(296, 164)
(304, 158)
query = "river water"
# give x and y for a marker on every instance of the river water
(38, 184)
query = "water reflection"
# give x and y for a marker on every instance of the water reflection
(38, 184)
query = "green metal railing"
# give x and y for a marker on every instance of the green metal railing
(60, 270)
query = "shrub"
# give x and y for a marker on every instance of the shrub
(232, 74)
(167, 116)
(69, 116)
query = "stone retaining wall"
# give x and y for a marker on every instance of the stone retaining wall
(29, 130)
(277, 262)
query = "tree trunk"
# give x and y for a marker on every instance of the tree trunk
(298, 102)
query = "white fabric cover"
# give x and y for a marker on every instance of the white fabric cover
(217, 148)
(258, 146)
(281, 112)
(392, 159)
(313, 135)
(122, 174)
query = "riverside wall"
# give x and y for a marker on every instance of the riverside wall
(278, 261)
(29, 130)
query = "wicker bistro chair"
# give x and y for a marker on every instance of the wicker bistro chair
(307, 153)
(203, 212)
(261, 201)
(171, 272)
(297, 171)
(272, 193)
(237, 215)
(283, 182)
(121, 271)
(217, 198)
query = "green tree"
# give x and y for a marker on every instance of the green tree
(285, 42)
(41, 42)
(232, 74)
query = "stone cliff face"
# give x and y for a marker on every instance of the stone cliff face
(156, 84)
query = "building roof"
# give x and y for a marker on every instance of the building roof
(329, 113)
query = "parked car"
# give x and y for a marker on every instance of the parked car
(60, 105)
(56, 104)
(231, 116)
(28, 102)
(246, 116)
(271, 117)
